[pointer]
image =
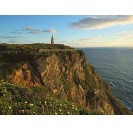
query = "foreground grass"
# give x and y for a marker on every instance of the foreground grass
(15, 100)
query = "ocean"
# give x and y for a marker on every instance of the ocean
(115, 65)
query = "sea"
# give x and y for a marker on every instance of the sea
(115, 65)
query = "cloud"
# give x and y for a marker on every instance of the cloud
(90, 41)
(13, 41)
(126, 34)
(8, 37)
(17, 32)
(63, 41)
(32, 30)
(90, 38)
(35, 32)
(29, 28)
(120, 39)
(102, 21)
(50, 31)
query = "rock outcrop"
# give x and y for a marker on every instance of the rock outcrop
(68, 76)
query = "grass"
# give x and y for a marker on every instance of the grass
(15, 100)
(12, 55)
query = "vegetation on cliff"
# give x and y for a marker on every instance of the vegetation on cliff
(34, 101)
(56, 74)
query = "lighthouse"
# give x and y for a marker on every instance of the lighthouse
(52, 40)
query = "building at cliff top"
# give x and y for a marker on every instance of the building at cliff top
(52, 40)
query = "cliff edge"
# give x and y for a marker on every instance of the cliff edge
(63, 72)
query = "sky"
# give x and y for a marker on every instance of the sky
(71, 30)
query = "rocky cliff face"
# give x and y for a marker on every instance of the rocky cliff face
(26, 76)
(68, 76)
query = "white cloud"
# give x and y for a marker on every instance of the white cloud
(50, 31)
(32, 30)
(90, 41)
(126, 34)
(122, 39)
(8, 37)
(102, 21)
(29, 28)
(90, 38)
(35, 32)
(13, 41)
(17, 32)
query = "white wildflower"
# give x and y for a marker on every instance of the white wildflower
(73, 106)
(45, 102)
(68, 112)
(33, 112)
(10, 107)
(22, 110)
(31, 104)
(60, 104)
(55, 113)
(42, 106)
(25, 102)
(60, 110)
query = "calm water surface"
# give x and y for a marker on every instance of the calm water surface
(115, 65)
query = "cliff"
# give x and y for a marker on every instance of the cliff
(63, 71)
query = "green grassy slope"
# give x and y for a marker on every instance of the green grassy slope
(15, 100)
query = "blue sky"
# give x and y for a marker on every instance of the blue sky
(72, 30)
